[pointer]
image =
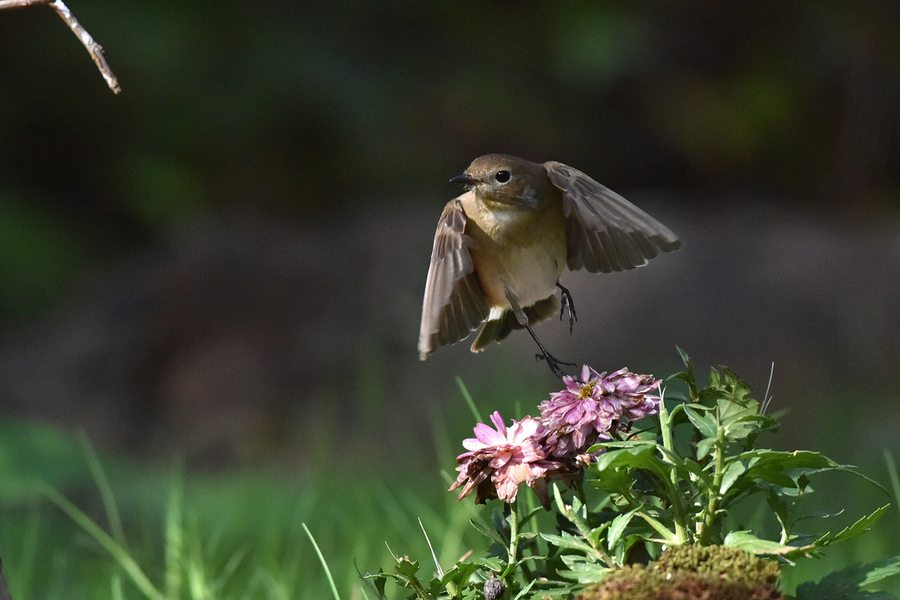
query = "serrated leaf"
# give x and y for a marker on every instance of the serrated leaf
(617, 528)
(732, 472)
(582, 570)
(613, 480)
(568, 541)
(846, 583)
(407, 567)
(820, 514)
(695, 469)
(491, 563)
(738, 419)
(685, 358)
(715, 380)
(688, 375)
(789, 487)
(860, 527)
(736, 386)
(702, 420)
(460, 573)
(634, 455)
(755, 545)
(491, 534)
(877, 571)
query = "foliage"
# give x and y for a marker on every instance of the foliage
(675, 484)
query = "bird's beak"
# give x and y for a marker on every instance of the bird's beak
(464, 179)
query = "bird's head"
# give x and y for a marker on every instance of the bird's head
(498, 179)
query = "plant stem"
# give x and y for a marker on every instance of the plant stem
(665, 429)
(714, 491)
(513, 537)
(585, 531)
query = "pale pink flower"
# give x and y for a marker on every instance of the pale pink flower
(500, 458)
(594, 408)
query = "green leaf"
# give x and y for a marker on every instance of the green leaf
(860, 527)
(877, 571)
(773, 460)
(582, 570)
(846, 583)
(776, 477)
(738, 419)
(525, 590)
(461, 573)
(636, 454)
(688, 375)
(490, 563)
(376, 582)
(567, 541)
(617, 528)
(684, 358)
(704, 447)
(659, 528)
(406, 567)
(617, 481)
(487, 532)
(732, 472)
(749, 542)
(694, 469)
(702, 419)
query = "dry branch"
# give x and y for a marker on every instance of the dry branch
(95, 49)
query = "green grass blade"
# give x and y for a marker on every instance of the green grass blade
(892, 473)
(128, 564)
(174, 537)
(322, 560)
(468, 398)
(105, 489)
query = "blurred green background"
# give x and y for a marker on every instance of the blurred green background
(225, 262)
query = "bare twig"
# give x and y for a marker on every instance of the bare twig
(95, 49)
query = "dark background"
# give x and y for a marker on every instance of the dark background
(226, 261)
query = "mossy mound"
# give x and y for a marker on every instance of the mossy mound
(693, 572)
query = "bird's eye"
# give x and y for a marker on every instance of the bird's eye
(502, 176)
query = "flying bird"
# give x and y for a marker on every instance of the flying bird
(501, 246)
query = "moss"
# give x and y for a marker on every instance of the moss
(691, 572)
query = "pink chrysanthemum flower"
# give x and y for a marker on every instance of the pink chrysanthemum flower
(500, 459)
(594, 408)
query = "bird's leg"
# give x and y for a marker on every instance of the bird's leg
(552, 362)
(567, 305)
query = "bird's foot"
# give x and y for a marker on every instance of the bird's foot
(567, 305)
(554, 364)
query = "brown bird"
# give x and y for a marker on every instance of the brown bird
(501, 247)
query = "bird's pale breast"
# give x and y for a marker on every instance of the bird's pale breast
(517, 250)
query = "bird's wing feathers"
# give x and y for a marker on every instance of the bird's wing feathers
(604, 231)
(454, 304)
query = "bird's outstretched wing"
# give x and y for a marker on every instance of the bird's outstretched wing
(454, 304)
(604, 231)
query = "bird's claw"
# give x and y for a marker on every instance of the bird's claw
(567, 304)
(554, 364)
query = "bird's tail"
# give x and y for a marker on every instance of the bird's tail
(495, 330)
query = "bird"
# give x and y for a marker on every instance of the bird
(501, 247)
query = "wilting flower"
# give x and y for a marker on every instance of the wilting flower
(594, 408)
(500, 459)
